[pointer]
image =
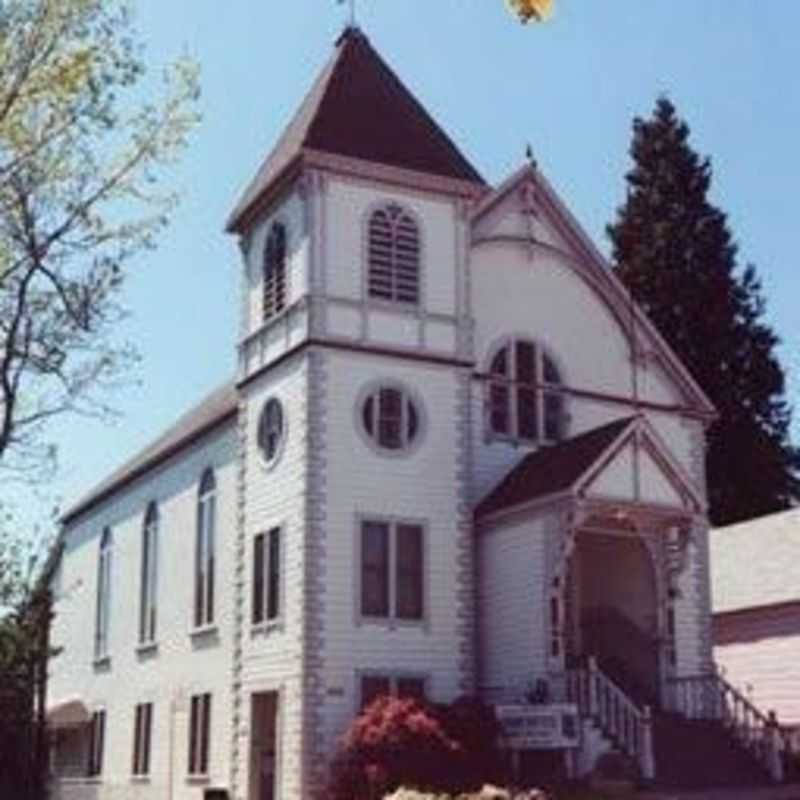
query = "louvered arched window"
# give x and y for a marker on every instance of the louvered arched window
(274, 278)
(393, 255)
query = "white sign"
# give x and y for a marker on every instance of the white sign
(545, 727)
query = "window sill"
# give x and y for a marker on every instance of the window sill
(393, 623)
(93, 780)
(102, 663)
(198, 780)
(140, 779)
(204, 632)
(266, 628)
(147, 649)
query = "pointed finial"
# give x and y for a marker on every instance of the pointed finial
(352, 21)
(529, 156)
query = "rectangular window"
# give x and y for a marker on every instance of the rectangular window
(267, 576)
(392, 570)
(199, 730)
(408, 540)
(97, 736)
(142, 729)
(375, 569)
(374, 686)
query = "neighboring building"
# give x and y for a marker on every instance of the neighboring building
(454, 459)
(755, 569)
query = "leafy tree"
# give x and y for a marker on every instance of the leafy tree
(82, 142)
(674, 250)
(25, 609)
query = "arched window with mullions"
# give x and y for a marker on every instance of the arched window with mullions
(274, 271)
(393, 256)
(204, 551)
(526, 397)
(103, 606)
(149, 581)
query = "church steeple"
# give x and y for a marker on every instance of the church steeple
(358, 108)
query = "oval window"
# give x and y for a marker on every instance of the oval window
(270, 429)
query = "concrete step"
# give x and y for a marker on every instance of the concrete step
(784, 792)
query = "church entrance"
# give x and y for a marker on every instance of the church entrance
(264, 746)
(612, 611)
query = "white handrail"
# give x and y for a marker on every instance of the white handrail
(711, 697)
(619, 718)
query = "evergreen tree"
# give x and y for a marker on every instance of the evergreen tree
(674, 250)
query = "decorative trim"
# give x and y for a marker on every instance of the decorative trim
(386, 174)
(348, 346)
(702, 578)
(314, 755)
(239, 717)
(466, 561)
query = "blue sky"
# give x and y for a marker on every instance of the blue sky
(570, 88)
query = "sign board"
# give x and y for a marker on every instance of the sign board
(545, 727)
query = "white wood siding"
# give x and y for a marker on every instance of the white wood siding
(421, 486)
(758, 649)
(513, 608)
(182, 665)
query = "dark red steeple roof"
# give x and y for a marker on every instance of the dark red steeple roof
(360, 109)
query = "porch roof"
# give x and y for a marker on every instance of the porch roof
(70, 712)
(550, 470)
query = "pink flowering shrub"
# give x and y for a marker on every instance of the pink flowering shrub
(402, 742)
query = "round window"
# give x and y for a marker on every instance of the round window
(270, 429)
(391, 418)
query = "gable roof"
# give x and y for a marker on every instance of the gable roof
(551, 470)
(756, 563)
(598, 274)
(213, 410)
(359, 108)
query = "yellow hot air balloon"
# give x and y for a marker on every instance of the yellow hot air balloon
(528, 10)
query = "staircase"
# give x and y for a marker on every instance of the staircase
(711, 736)
(701, 754)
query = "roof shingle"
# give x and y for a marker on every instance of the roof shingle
(359, 108)
(550, 470)
(206, 415)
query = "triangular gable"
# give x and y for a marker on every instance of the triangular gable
(526, 208)
(358, 108)
(640, 468)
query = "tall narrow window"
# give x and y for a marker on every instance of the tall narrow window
(204, 551)
(149, 581)
(142, 734)
(199, 730)
(525, 398)
(275, 272)
(392, 570)
(393, 256)
(103, 605)
(97, 737)
(267, 576)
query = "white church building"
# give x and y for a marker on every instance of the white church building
(454, 459)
